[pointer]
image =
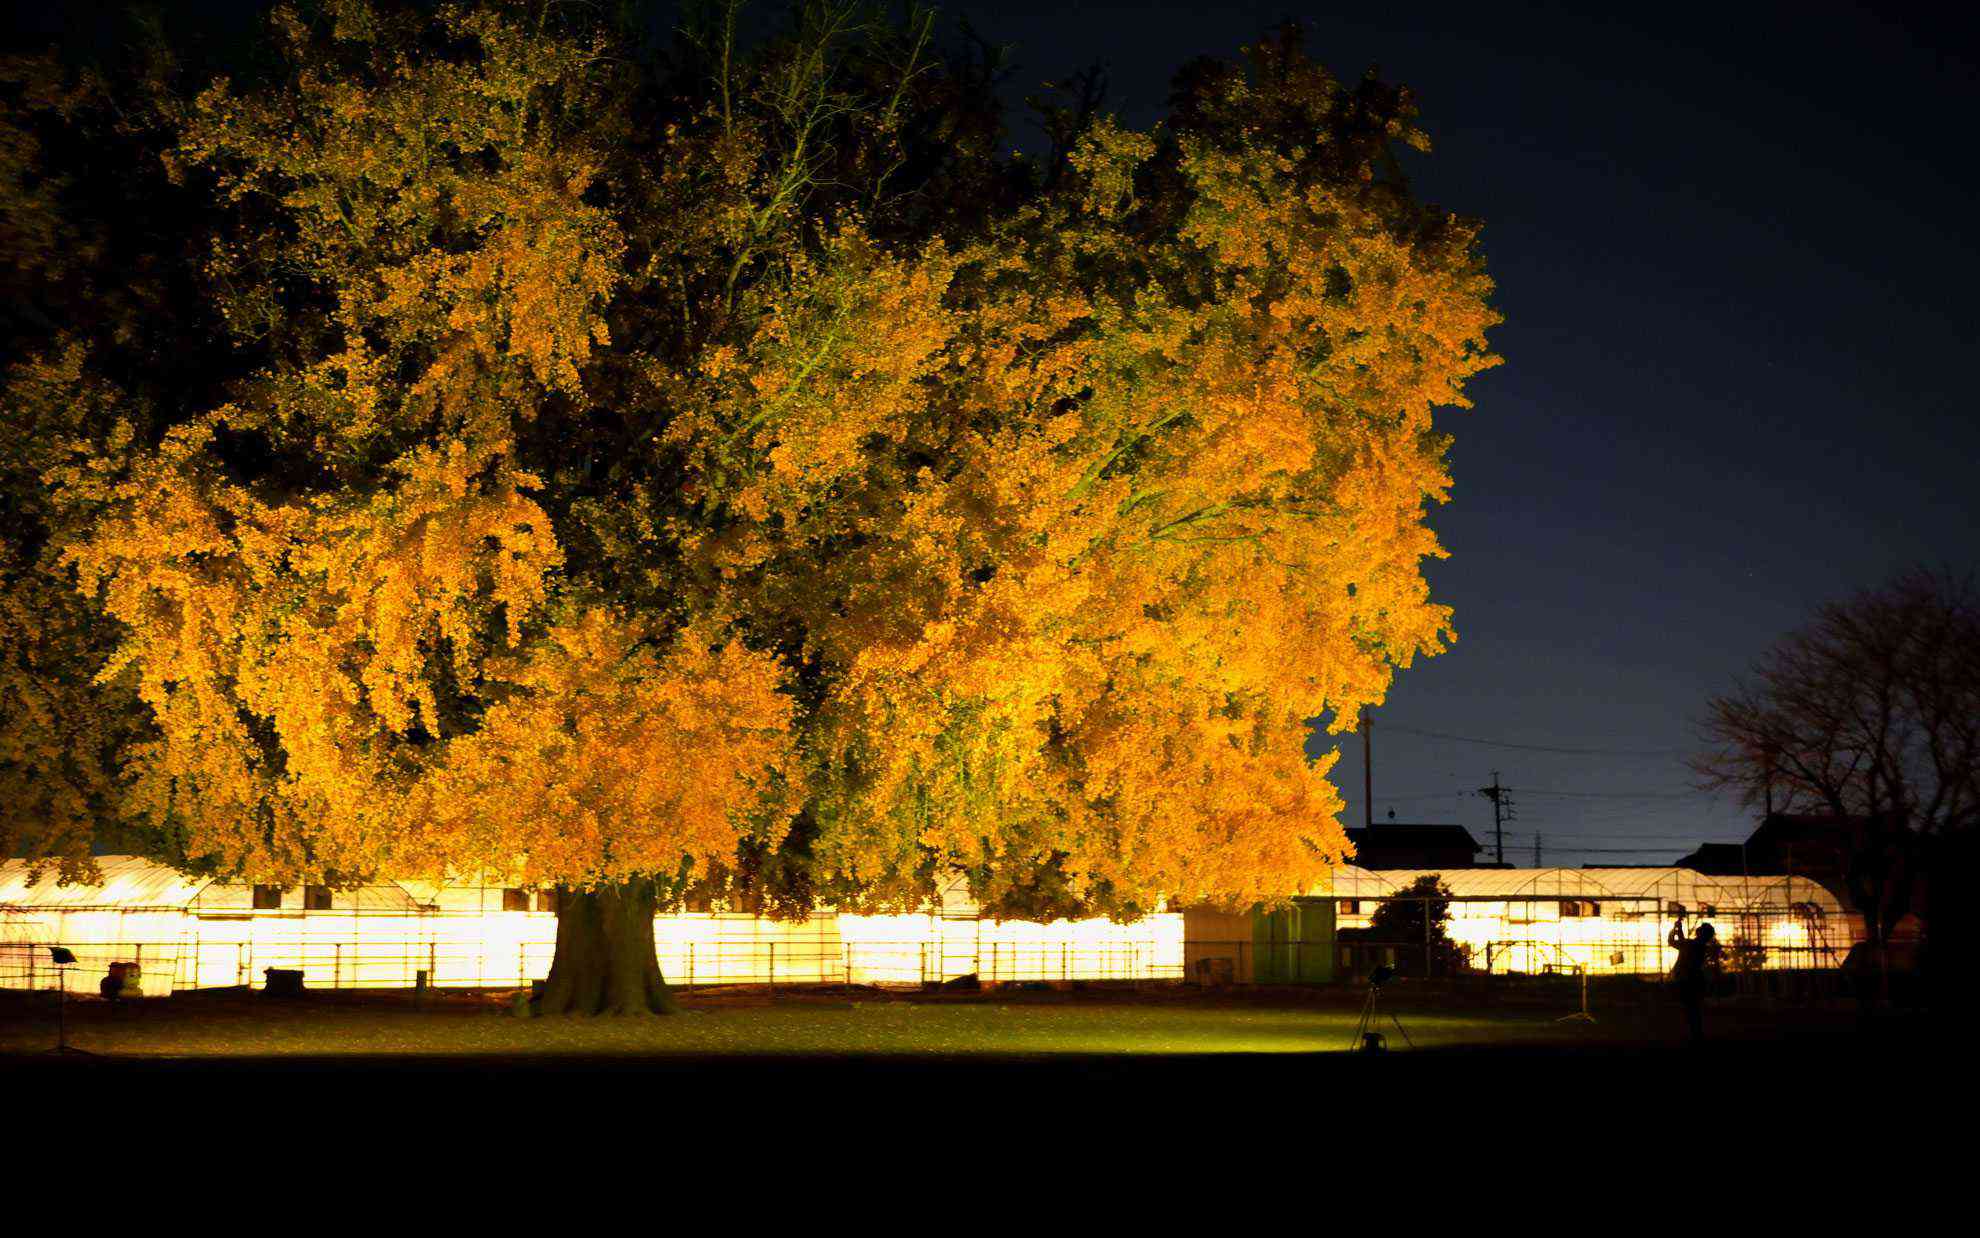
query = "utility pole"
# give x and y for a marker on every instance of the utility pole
(1536, 851)
(1367, 768)
(1502, 812)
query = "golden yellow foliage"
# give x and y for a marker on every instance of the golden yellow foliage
(614, 495)
(388, 671)
(613, 759)
(1092, 637)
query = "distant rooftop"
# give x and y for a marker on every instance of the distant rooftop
(1413, 844)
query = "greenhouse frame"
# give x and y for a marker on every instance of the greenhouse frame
(1614, 920)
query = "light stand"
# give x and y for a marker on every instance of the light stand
(64, 958)
(1364, 1040)
(1581, 1015)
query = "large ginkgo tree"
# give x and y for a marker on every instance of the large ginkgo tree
(727, 466)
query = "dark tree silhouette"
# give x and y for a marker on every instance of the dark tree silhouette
(1869, 714)
(1417, 921)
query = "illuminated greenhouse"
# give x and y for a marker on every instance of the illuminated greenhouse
(193, 933)
(1615, 920)
(190, 932)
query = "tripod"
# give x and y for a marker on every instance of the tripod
(1364, 1040)
(1581, 1015)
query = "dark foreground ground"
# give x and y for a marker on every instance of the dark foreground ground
(1097, 1033)
(834, 1100)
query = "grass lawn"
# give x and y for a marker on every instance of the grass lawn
(908, 1071)
(1004, 1025)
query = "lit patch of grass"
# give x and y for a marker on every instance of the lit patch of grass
(389, 1025)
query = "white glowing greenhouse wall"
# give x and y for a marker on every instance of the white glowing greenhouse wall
(1150, 948)
(152, 939)
(1617, 921)
(900, 949)
(383, 936)
(1533, 937)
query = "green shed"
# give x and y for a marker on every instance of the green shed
(1294, 944)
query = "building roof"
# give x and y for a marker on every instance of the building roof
(1412, 834)
(1721, 859)
(1412, 844)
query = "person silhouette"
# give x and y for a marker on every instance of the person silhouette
(1698, 959)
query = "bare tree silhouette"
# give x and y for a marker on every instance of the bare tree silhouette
(1869, 714)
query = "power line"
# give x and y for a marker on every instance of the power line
(1574, 826)
(1641, 838)
(1614, 795)
(1683, 848)
(1619, 810)
(1579, 752)
(1646, 814)
(1560, 846)
(1605, 807)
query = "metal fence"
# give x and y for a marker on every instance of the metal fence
(372, 964)
(1746, 970)
(29, 965)
(1535, 935)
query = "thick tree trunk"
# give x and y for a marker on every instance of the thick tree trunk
(605, 961)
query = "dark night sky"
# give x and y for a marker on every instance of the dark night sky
(1733, 255)
(1733, 252)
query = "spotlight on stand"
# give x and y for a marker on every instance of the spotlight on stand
(63, 958)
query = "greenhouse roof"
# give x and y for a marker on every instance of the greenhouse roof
(132, 883)
(129, 882)
(1670, 885)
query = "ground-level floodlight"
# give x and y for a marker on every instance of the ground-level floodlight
(63, 958)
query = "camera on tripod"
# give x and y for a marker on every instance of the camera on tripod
(1365, 1040)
